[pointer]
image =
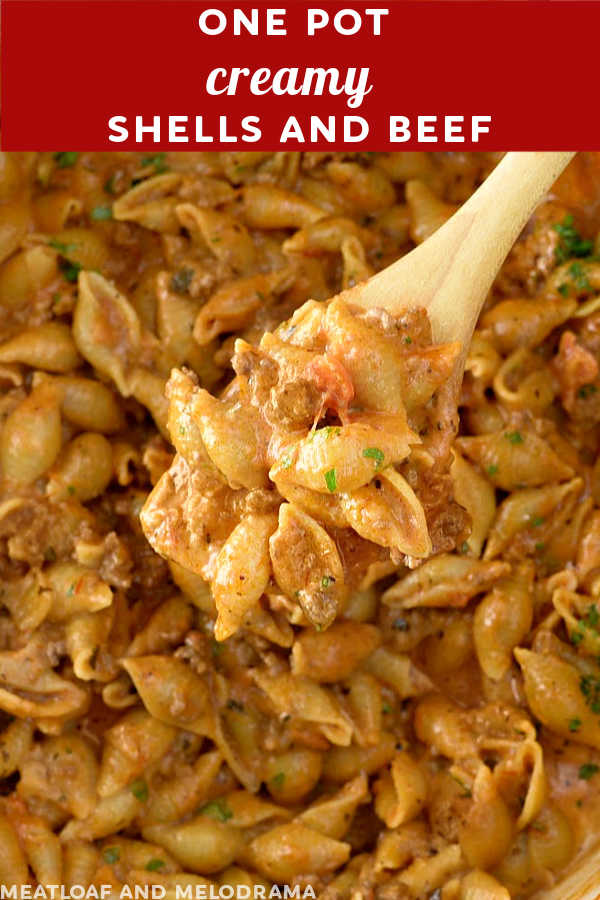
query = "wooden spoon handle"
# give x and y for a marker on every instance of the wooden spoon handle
(451, 273)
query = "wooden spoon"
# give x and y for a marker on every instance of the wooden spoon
(451, 273)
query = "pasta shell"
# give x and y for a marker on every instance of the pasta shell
(151, 203)
(243, 570)
(307, 565)
(512, 464)
(388, 512)
(444, 580)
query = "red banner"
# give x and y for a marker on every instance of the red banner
(175, 75)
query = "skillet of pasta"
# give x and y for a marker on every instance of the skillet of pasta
(272, 613)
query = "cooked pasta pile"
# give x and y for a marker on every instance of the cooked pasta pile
(366, 656)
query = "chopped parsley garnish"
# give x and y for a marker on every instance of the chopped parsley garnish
(564, 289)
(111, 855)
(71, 590)
(515, 437)
(588, 770)
(278, 779)
(286, 462)
(492, 470)
(386, 708)
(465, 787)
(139, 789)
(331, 480)
(578, 275)
(216, 647)
(233, 704)
(329, 431)
(400, 625)
(376, 454)
(101, 213)
(109, 185)
(153, 865)
(71, 489)
(408, 339)
(574, 724)
(70, 270)
(590, 621)
(586, 390)
(537, 521)
(464, 547)
(592, 617)
(218, 810)
(157, 162)
(181, 280)
(571, 243)
(327, 581)
(66, 159)
(589, 686)
(540, 547)
(65, 249)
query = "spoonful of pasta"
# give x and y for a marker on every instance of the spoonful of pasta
(327, 462)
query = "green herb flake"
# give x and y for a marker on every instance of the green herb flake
(464, 547)
(71, 590)
(537, 521)
(234, 704)
(153, 865)
(218, 810)
(465, 787)
(492, 470)
(327, 581)
(376, 454)
(111, 855)
(593, 616)
(576, 638)
(216, 647)
(570, 241)
(286, 462)
(515, 437)
(386, 708)
(65, 249)
(574, 724)
(70, 270)
(101, 213)
(66, 159)
(331, 480)
(278, 779)
(587, 390)
(181, 280)
(139, 789)
(157, 162)
(588, 770)
(400, 625)
(540, 547)
(50, 554)
(408, 339)
(109, 186)
(589, 686)
(564, 290)
(579, 276)
(71, 489)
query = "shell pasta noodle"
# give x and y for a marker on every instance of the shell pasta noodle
(272, 611)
